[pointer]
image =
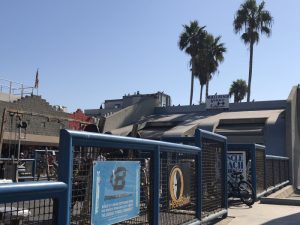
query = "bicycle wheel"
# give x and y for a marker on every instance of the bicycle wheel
(246, 193)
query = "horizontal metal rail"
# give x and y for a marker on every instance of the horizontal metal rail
(105, 140)
(214, 216)
(276, 157)
(72, 141)
(26, 191)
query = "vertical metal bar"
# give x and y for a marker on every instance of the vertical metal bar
(288, 169)
(156, 187)
(273, 172)
(265, 170)
(199, 176)
(19, 144)
(10, 86)
(225, 175)
(253, 168)
(280, 170)
(22, 90)
(65, 171)
(2, 130)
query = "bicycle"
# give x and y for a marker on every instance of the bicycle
(241, 188)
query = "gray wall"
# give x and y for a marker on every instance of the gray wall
(39, 125)
(263, 105)
(274, 136)
(130, 115)
(293, 135)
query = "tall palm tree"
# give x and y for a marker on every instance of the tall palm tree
(201, 70)
(238, 89)
(254, 19)
(189, 40)
(215, 56)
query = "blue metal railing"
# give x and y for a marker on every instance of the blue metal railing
(74, 144)
(277, 172)
(16, 198)
(267, 172)
(205, 153)
(255, 156)
(209, 143)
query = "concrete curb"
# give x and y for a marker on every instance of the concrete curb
(280, 201)
(281, 197)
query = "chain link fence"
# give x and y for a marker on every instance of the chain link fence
(254, 165)
(169, 176)
(213, 167)
(213, 171)
(82, 181)
(27, 212)
(32, 203)
(277, 170)
(178, 207)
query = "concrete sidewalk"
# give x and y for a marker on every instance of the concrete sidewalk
(262, 214)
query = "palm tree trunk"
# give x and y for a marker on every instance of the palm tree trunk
(250, 71)
(207, 86)
(201, 91)
(192, 88)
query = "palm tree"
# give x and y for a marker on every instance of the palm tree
(254, 19)
(238, 89)
(207, 60)
(201, 70)
(215, 51)
(190, 40)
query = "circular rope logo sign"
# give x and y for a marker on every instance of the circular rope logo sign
(176, 188)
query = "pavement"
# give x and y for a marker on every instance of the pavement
(262, 214)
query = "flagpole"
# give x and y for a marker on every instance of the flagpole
(36, 83)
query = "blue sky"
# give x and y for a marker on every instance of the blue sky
(89, 51)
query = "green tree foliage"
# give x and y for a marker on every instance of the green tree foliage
(253, 20)
(190, 40)
(238, 89)
(208, 58)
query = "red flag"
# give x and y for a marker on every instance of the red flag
(36, 83)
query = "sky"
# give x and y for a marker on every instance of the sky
(93, 50)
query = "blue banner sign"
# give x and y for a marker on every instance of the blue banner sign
(236, 162)
(116, 191)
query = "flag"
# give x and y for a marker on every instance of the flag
(36, 83)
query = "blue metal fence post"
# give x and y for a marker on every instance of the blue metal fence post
(156, 187)
(273, 173)
(225, 175)
(265, 168)
(253, 167)
(35, 164)
(65, 170)
(199, 176)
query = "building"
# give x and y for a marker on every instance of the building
(275, 124)
(78, 120)
(29, 122)
(32, 121)
(114, 105)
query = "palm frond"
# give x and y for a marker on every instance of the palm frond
(254, 19)
(266, 30)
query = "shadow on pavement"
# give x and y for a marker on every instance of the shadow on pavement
(237, 204)
(293, 219)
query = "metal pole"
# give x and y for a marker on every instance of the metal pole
(156, 187)
(10, 85)
(19, 144)
(22, 90)
(2, 131)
